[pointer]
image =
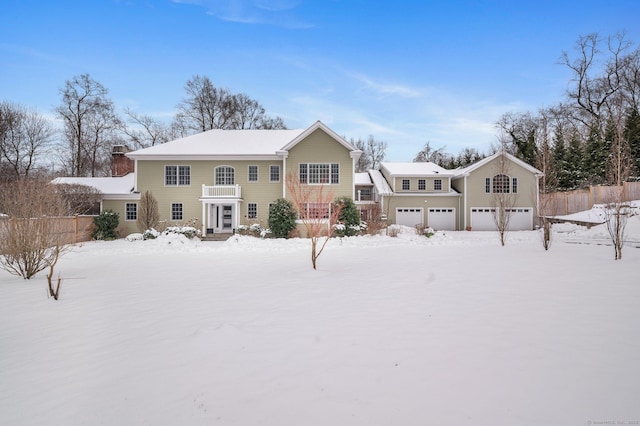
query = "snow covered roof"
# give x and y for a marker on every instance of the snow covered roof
(380, 183)
(415, 169)
(122, 185)
(362, 179)
(466, 170)
(235, 144)
(215, 143)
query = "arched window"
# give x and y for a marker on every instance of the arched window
(501, 184)
(225, 175)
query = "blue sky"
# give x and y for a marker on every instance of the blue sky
(406, 72)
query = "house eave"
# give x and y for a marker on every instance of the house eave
(206, 157)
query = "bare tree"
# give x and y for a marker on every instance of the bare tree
(145, 130)
(503, 198)
(206, 107)
(373, 153)
(548, 181)
(89, 124)
(32, 238)
(79, 199)
(25, 136)
(430, 154)
(148, 215)
(316, 211)
(521, 130)
(620, 165)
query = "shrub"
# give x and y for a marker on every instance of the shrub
(282, 218)
(148, 215)
(349, 217)
(254, 230)
(187, 231)
(106, 224)
(150, 234)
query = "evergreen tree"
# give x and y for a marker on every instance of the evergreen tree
(632, 136)
(349, 217)
(282, 218)
(573, 163)
(560, 160)
(596, 152)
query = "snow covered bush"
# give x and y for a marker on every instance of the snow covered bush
(342, 230)
(187, 231)
(282, 218)
(136, 236)
(429, 232)
(254, 230)
(151, 234)
(393, 230)
(348, 219)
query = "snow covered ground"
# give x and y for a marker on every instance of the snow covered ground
(450, 330)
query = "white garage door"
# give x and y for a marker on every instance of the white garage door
(482, 219)
(409, 216)
(442, 219)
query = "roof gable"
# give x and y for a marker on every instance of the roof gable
(315, 126)
(469, 169)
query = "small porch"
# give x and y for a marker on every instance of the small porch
(220, 209)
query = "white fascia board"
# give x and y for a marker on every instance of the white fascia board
(428, 194)
(207, 157)
(132, 196)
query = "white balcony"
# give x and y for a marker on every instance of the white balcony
(221, 191)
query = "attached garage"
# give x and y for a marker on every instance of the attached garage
(442, 219)
(409, 216)
(482, 219)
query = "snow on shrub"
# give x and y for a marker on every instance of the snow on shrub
(134, 237)
(187, 231)
(253, 230)
(151, 234)
(342, 230)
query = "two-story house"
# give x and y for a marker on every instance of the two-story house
(220, 179)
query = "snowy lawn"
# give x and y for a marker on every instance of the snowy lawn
(451, 330)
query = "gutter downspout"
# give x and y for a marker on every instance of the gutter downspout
(465, 203)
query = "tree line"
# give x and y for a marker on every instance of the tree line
(91, 126)
(593, 135)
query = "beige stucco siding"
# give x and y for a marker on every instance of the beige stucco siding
(319, 147)
(429, 184)
(477, 196)
(419, 201)
(125, 227)
(262, 192)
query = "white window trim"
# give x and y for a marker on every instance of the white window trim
(177, 176)
(249, 173)
(171, 211)
(248, 214)
(279, 173)
(308, 173)
(126, 212)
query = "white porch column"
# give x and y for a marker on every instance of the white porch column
(237, 216)
(204, 219)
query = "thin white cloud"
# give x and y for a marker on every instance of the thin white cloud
(386, 89)
(279, 13)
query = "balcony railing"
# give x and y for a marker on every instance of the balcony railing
(221, 191)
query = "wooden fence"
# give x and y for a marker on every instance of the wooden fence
(73, 229)
(564, 203)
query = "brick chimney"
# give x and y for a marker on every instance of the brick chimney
(120, 163)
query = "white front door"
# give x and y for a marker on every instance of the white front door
(221, 217)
